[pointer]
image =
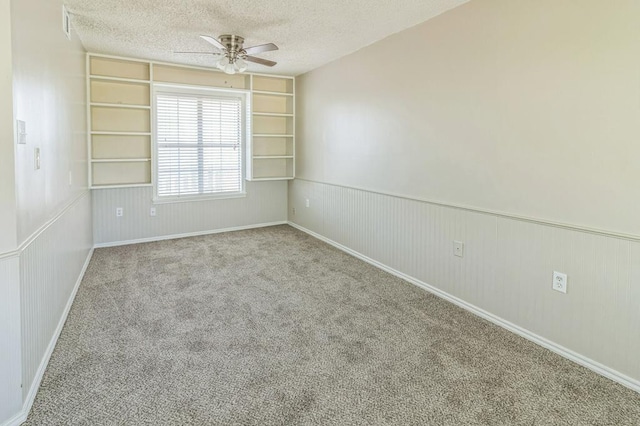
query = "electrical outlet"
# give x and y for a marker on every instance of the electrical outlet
(458, 248)
(293, 210)
(119, 212)
(306, 202)
(152, 211)
(559, 282)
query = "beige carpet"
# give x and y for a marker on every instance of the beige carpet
(273, 327)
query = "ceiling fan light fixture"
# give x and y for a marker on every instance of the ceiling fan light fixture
(223, 62)
(241, 65)
(230, 69)
(235, 55)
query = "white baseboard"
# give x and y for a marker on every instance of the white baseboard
(35, 385)
(188, 234)
(16, 420)
(554, 347)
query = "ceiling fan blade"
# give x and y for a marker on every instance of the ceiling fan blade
(202, 53)
(260, 61)
(260, 48)
(214, 42)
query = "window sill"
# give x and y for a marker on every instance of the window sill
(196, 198)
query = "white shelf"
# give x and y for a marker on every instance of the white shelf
(120, 160)
(131, 185)
(109, 105)
(264, 92)
(126, 80)
(272, 154)
(273, 178)
(123, 133)
(266, 157)
(272, 114)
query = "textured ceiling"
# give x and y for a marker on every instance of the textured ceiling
(310, 33)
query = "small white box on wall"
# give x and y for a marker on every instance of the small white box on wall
(21, 132)
(66, 22)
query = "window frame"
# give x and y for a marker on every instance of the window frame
(182, 89)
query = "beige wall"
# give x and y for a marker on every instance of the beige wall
(530, 108)
(7, 176)
(49, 95)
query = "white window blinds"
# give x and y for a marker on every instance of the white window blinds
(199, 143)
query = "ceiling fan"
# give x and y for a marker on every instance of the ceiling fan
(233, 56)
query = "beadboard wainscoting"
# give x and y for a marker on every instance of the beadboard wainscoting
(51, 268)
(10, 392)
(264, 204)
(39, 282)
(505, 274)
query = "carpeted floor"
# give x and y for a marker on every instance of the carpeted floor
(273, 327)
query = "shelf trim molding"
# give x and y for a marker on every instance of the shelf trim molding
(273, 114)
(259, 179)
(267, 92)
(120, 79)
(120, 160)
(110, 105)
(121, 133)
(116, 186)
(272, 135)
(269, 157)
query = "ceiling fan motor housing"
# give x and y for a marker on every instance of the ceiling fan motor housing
(233, 44)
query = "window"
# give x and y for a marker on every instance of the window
(199, 142)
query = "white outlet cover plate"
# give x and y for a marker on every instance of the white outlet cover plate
(559, 281)
(458, 248)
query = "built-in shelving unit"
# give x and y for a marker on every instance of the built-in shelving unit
(272, 153)
(120, 119)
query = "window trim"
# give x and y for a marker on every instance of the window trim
(183, 89)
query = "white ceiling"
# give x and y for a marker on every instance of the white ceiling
(310, 33)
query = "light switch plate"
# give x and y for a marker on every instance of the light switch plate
(36, 156)
(21, 129)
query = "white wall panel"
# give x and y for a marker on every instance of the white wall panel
(592, 318)
(506, 269)
(50, 267)
(10, 378)
(266, 202)
(633, 306)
